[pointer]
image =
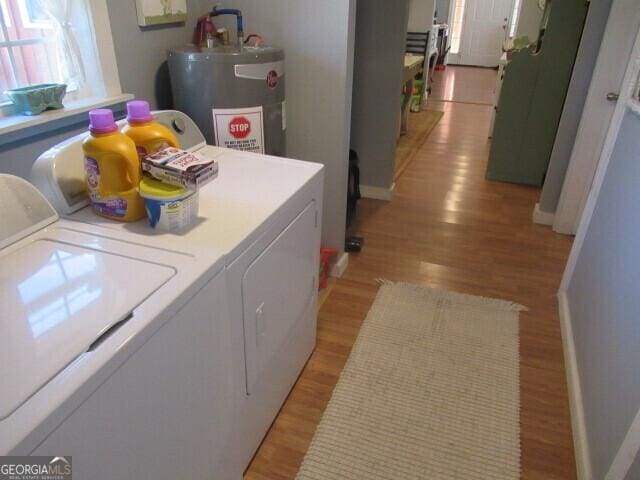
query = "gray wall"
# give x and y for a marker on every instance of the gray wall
(378, 72)
(17, 157)
(529, 21)
(605, 305)
(442, 6)
(141, 52)
(318, 38)
(576, 96)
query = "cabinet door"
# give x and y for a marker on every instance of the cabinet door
(277, 288)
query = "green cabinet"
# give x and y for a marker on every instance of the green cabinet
(533, 94)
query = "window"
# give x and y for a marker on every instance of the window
(515, 16)
(456, 26)
(57, 41)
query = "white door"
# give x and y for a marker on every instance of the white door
(484, 30)
(622, 27)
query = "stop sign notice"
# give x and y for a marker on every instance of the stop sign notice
(239, 127)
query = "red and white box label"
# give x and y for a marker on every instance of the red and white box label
(239, 128)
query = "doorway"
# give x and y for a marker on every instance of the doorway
(606, 85)
(479, 29)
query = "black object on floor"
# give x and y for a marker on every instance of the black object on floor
(353, 188)
(353, 244)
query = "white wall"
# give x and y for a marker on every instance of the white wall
(421, 15)
(318, 39)
(529, 21)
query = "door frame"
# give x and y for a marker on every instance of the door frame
(453, 58)
(622, 26)
(631, 444)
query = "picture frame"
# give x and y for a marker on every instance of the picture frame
(161, 12)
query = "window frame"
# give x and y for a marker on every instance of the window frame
(110, 89)
(514, 21)
(459, 9)
(9, 44)
(26, 21)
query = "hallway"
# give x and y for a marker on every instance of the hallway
(447, 227)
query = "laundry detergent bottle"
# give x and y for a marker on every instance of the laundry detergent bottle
(112, 170)
(148, 135)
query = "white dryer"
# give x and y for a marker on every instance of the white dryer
(264, 215)
(114, 354)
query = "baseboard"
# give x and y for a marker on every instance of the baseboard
(578, 424)
(377, 193)
(340, 266)
(543, 218)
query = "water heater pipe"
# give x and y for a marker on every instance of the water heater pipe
(238, 14)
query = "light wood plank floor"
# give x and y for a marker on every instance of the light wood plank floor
(447, 227)
(465, 84)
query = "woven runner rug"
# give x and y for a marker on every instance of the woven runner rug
(430, 391)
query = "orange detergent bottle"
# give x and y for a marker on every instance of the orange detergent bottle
(112, 170)
(148, 135)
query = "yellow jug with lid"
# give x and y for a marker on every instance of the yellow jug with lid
(112, 170)
(148, 135)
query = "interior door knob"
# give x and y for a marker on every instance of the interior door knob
(613, 97)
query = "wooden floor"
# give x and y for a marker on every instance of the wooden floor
(466, 84)
(447, 227)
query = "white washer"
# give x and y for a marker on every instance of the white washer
(115, 354)
(264, 215)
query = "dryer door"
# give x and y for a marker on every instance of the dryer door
(277, 289)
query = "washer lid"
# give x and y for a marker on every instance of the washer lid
(56, 301)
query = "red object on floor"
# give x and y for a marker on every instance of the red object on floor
(326, 254)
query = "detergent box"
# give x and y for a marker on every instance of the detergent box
(181, 168)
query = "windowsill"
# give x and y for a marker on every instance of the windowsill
(18, 127)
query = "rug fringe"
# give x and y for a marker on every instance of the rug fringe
(475, 300)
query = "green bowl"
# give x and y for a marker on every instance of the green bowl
(36, 99)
